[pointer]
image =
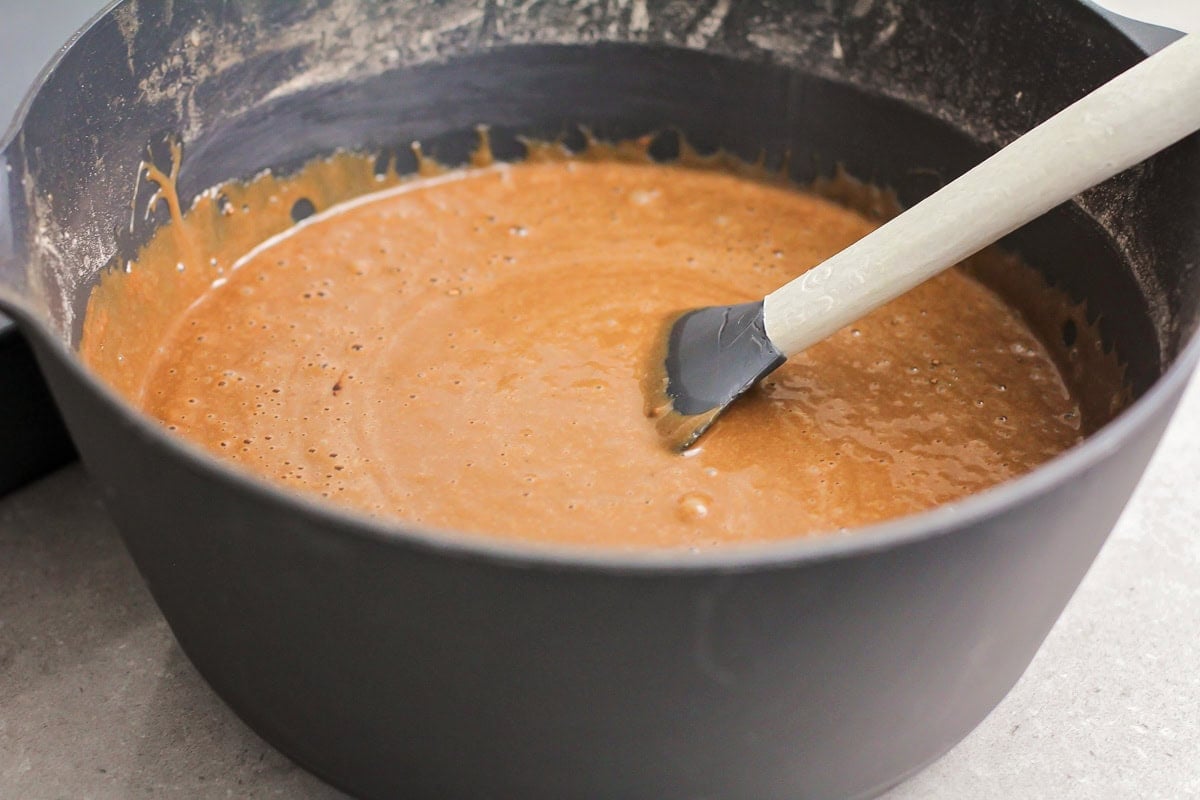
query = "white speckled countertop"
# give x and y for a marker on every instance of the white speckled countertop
(97, 701)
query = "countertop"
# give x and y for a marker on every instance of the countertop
(97, 701)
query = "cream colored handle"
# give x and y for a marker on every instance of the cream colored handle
(1128, 119)
(1182, 15)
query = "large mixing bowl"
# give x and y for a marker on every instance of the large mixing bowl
(399, 662)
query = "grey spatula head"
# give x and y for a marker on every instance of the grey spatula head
(713, 355)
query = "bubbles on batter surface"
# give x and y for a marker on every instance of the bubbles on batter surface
(693, 506)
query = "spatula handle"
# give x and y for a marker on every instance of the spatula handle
(1133, 116)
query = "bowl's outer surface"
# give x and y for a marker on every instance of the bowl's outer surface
(33, 440)
(398, 664)
(397, 670)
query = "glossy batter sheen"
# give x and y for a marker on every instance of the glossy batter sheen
(466, 352)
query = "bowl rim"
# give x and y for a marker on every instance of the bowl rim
(957, 516)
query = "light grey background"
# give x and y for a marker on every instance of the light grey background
(97, 701)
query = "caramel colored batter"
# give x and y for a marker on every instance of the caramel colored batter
(465, 351)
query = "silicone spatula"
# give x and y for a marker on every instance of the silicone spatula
(714, 354)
